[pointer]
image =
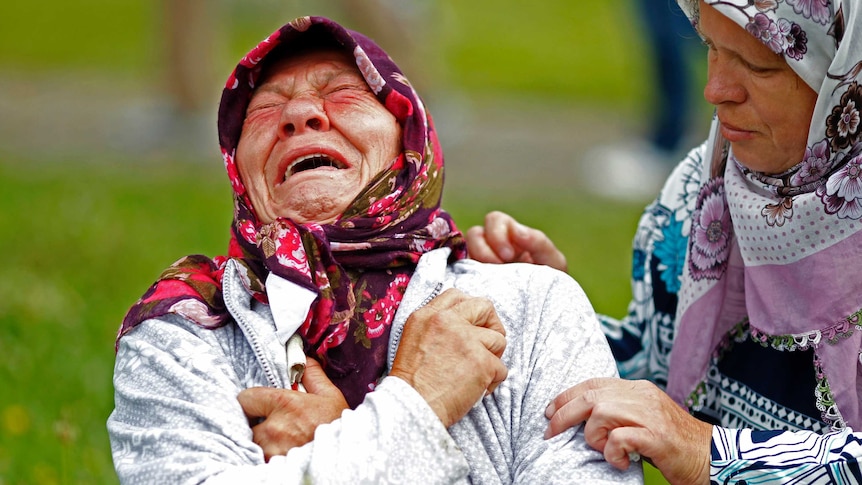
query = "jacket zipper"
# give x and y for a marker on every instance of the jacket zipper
(398, 331)
(252, 338)
(261, 358)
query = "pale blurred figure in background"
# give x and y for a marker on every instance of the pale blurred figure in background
(636, 169)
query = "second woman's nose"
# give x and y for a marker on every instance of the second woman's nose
(723, 84)
(301, 114)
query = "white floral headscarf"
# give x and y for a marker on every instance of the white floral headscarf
(784, 250)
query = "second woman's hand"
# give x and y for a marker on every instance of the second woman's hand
(504, 240)
(624, 419)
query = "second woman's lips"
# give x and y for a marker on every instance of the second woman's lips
(733, 133)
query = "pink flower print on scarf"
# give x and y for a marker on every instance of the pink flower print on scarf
(816, 10)
(382, 311)
(711, 232)
(842, 193)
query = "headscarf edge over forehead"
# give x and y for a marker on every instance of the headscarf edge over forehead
(788, 243)
(360, 264)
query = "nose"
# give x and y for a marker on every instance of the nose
(301, 114)
(722, 83)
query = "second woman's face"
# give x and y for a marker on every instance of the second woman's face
(765, 108)
(314, 135)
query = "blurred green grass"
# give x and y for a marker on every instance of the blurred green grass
(81, 241)
(84, 236)
(579, 50)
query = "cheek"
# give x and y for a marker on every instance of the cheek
(386, 149)
(250, 170)
(795, 119)
(252, 150)
(375, 133)
(243, 159)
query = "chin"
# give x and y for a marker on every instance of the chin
(744, 158)
(316, 216)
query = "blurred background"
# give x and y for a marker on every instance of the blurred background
(110, 168)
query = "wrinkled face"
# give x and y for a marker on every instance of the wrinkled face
(765, 108)
(313, 137)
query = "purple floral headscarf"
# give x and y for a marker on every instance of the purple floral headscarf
(784, 251)
(359, 265)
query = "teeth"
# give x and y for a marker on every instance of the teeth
(304, 158)
(311, 161)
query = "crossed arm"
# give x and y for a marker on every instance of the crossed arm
(450, 353)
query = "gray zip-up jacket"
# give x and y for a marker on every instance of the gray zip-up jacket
(177, 419)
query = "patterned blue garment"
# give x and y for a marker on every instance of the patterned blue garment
(792, 444)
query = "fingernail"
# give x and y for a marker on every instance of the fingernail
(506, 254)
(550, 410)
(547, 433)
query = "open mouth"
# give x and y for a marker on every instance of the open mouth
(311, 162)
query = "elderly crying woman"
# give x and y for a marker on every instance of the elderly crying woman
(345, 337)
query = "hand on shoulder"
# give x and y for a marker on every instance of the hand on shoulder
(624, 419)
(504, 240)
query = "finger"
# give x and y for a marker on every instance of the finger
(448, 299)
(480, 312)
(316, 381)
(573, 413)
(270, 447)
(599, 385)
(574, 405)
(492, 340)
(537, 247)
(257, 402)
(500, 374)
(476, 311)
(623, 445)
(478, 248)
(564, 397)
(498, 229)
(596, 431)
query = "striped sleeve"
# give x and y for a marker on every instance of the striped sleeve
(785, 457)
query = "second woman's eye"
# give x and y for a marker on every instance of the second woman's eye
(758, 69)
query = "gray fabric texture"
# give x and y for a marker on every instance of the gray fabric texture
(177, 420)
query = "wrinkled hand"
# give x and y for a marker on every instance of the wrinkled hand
(290, 417)
(450, 353)
(635, 416)
(505, 240)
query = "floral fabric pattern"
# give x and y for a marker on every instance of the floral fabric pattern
(842, 125)
(670, 251)
(842, 193)
(815, 164)
(711, 232)
(817, 10)
(782, 36)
